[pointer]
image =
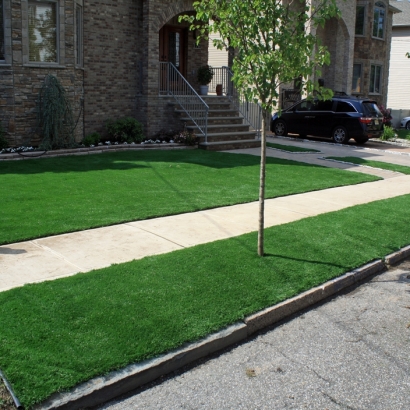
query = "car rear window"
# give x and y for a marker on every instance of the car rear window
(343, 106)
(371, 109)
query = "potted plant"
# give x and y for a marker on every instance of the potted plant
(205, 75)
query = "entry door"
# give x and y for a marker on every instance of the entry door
(171, 47)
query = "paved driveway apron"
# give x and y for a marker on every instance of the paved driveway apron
(351, 352)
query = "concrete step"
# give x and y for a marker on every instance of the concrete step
(228, 136)
(230, 145)
(217, 120)
(221, 128)
(211, 113)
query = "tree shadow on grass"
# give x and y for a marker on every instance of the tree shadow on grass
(137, 160)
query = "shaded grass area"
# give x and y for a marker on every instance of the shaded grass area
(59, 333)
(375, 164)
(56, 195)
(290, 148)
(404, 134)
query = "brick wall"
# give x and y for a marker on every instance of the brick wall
(21, 81)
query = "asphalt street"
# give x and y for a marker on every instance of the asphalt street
(350, 352)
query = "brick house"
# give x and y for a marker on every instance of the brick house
(104, 52)
(110, 56)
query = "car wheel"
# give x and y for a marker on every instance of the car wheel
(339, 135)
(361, 140)
(280, 128)
(408, 125)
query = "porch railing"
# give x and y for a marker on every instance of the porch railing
(251, 112)
(172, 82)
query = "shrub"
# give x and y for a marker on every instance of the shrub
(3, 142)
(92, 139)
(125, 129)
(55, 116)
(388, 133)
(205, 74)
(186, 137)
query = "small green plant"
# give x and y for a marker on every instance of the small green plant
(3, 141)
(92, 139)
(125, 129)
(388, 133)
(186, 137)
(205, 74)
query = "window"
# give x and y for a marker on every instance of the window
(357, 79)
(360, 17)
(378, 19)
(322, 105)
(79, 32)
(2, 45)
(343, 106)
(375, 79)
(42, 29)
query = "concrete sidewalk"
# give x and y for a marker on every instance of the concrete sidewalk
(64, 255)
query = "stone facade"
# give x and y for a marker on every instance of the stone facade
(347, 48)
(119, 74)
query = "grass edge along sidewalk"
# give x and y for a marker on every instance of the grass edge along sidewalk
(58, 334)
(52, 196)
(373, 164)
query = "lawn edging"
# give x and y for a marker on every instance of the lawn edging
(114, 384)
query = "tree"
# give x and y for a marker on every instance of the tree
(275, 44)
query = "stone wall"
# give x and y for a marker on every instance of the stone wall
(20, 81)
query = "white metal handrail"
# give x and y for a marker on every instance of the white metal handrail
(251, 112)
(172, 82)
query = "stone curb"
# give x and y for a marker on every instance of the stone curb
(92, 150)
(114, 384)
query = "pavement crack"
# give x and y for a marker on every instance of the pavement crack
(342, 405)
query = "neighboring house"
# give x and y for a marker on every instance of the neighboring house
(399, 77)
(111, 57)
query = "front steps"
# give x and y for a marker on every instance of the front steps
(226, 128)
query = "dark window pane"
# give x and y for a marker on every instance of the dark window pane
(378, 20)
(42, 28)
(357, 78)
(343, 106)
(1, 32)
(78, 33)
(360, 15)
(372, 110)
(323, 106)
(304, 106)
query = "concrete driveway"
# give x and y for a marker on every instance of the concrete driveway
(351, 352)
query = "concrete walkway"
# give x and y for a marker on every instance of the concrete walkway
(64, 255)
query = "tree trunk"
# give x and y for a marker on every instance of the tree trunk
(262, 189)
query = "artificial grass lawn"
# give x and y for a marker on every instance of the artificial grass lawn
(56, 195)
(375, 164)
(290, 148)
(59, 333)
(404, 134)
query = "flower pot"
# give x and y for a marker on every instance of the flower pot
(219, 89)
(203, 89)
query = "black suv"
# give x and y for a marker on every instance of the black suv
(341, 118)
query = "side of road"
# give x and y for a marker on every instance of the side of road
(102, 389)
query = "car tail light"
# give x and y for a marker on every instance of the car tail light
(365, 120)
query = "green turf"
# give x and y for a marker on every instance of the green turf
(59, 333)
(290, 148)
(375, 164)
(404, 134)
(49, 196)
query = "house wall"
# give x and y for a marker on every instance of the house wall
(369, 50)
(21, 81)
(119, 76)
(399, 78)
